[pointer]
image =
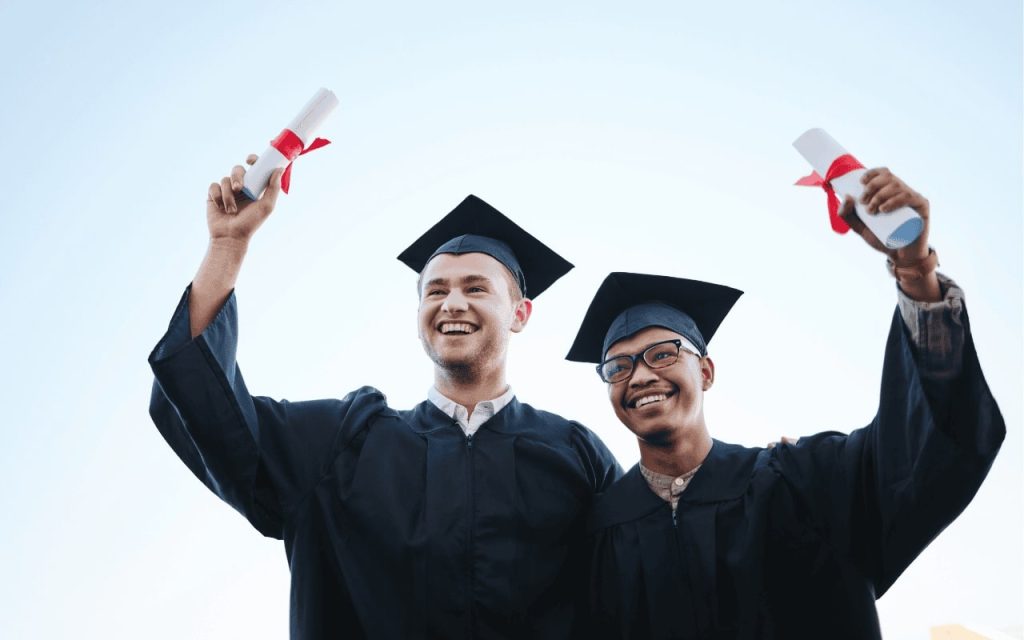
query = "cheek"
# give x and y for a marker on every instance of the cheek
(615, 398)
(424, 315)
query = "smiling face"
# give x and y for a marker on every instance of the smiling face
(467, 313)
(660, 405)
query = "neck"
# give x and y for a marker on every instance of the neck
(678, 455)
(469, 388)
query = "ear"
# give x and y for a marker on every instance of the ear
(522, 314)
(707, 372)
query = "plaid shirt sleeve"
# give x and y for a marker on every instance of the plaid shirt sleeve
(936, 330)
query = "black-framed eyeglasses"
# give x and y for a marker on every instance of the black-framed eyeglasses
(656, 356)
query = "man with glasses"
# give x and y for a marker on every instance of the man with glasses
(704, 539)
(459, 518)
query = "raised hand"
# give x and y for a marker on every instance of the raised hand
(232, 216)
(232, 219)
(884, 192)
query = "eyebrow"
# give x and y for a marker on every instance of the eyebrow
(470, 279)
(466, 280)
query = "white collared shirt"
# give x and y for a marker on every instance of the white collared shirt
(483, 411)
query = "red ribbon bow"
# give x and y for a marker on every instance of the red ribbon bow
(841, 166)
(290, 147)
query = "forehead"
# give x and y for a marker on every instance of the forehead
(450, 266)
(641, 340)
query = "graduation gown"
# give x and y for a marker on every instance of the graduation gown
(395, 523)
(799, 540)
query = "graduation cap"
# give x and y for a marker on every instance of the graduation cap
(476, 227)
(626, 303)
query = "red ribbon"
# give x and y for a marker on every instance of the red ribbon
(290, 147)
(841, 166)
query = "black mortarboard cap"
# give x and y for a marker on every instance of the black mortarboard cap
(476, 227)
(626, 303)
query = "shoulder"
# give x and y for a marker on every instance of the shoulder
(531, 422)
(551, 432)
(552, 428)
(818, 449)
(357, 408)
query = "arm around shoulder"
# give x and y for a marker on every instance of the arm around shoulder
(601, 466)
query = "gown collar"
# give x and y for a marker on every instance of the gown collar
(724, 475)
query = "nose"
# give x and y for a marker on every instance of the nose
(454, 302)
(642, 374)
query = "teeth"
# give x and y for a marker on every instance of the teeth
(457, 327)
(646, 400)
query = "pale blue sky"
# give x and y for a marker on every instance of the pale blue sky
(593, 125)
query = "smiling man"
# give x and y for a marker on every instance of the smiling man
(458, 518)
(705, 539)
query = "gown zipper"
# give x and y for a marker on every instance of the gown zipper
(470, 572)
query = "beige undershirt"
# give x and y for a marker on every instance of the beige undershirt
(668, 487)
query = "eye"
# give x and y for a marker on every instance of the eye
(662, 354)
(616, 369)
(477, 290)
(435, 292)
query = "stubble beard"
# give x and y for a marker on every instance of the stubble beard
(463, 371)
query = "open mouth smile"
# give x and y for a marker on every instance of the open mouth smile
(649, 399)
(456, 328)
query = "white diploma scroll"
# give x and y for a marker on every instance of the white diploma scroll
(303, 127)
(896, 229)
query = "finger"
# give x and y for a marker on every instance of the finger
(886, 193)
(851, 218)
(872, 186)
(237, 177)
(881, 179)
(871, 174)
(920, 204)
(907, 198)
(849, 215)
(213, 195)
(251, 159)
(788, 440)
(228, 194)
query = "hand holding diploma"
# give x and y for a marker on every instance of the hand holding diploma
(838, 173)
(881, 208)
(230, 214)
(883, 193)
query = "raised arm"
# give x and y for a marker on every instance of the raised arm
(232, 219)
(881, 494)
(261, 456)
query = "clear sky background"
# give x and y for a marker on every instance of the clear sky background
(596, 126)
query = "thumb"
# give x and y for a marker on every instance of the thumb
(269, 197)
(849, 215)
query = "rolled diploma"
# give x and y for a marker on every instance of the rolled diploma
(303, 126)
(896, 228)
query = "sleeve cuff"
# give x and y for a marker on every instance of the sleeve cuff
(179, 331)
(936, 330)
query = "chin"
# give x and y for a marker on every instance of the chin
(656, 435)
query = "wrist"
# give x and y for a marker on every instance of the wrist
(228, 247)
(917, 278)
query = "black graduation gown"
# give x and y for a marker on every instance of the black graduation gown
(797, 541)
(396, 525)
